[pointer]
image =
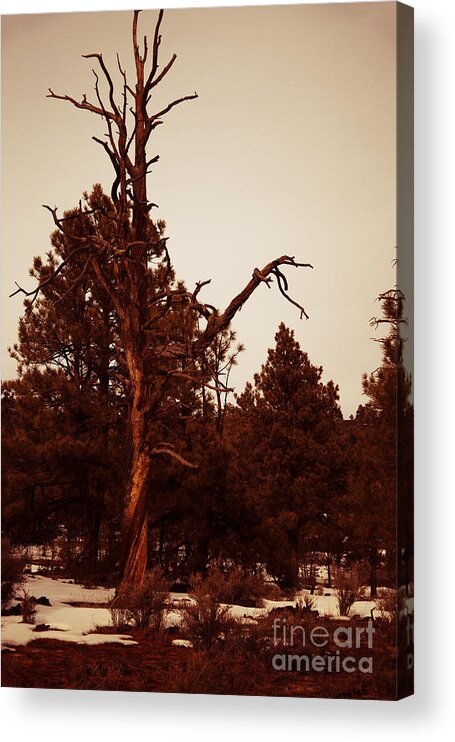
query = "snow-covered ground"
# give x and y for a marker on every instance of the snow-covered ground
(71, 623)
(66, 622)
(326, 605)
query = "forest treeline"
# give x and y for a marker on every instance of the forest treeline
(272, 478)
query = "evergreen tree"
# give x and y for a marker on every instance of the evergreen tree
(290, 466)
(69, 398)
(383, 454)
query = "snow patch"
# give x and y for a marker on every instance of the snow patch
(66, 623)
(182, 643)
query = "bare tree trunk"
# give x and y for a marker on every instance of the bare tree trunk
(135, 521)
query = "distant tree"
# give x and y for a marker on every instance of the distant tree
(140, 282)
(289, 463)
(383, 454)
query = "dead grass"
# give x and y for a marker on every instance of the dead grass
(241, 665)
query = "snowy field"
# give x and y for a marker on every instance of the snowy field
(66, 622)
(75, 624)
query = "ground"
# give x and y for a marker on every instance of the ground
(81, 650)
(154, 665)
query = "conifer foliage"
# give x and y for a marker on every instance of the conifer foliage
(290, 459)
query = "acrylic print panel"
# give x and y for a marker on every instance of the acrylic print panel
(207, 405)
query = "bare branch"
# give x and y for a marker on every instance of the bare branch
(266, 279)
(376, 321)
(107, 286)
(166, 450)
(107, 119)
(154, 120)
(115, 165)
(93, 239)
(99, 57)
(282, 285)
(163, 74)
(219, 388)
(123, 74)
(34, 293)
(199, 286)
(133, 134)
(83, 104)
(75, 282)
(137, 58)
(78, 214)
(217, 323)
(58, 223)
(156, 45)
(146, 49)
(395, 293)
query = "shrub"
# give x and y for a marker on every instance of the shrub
(388, 606)
(143, 604)
(305, 603)
(28, 608)
(348, 583)
(227, 668)
(120, 617)
(272, 591)
(244, 589)
(12, 572)
(236, 587)
(204, 620)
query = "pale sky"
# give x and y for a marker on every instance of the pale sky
(290, 148)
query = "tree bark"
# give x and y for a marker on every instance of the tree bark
(135, 521)
(134, 549)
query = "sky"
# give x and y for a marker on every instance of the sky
(290, 148)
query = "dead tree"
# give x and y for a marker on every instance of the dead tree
(136, 256)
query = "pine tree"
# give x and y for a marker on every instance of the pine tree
(69, 398)
(289, 461)
(384, 449)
